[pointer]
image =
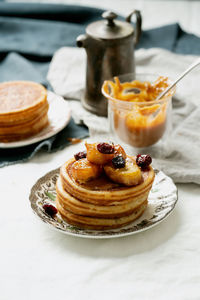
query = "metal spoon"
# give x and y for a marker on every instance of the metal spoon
(195, 64)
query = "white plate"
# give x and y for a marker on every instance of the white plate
(59, 116)
(161, 202)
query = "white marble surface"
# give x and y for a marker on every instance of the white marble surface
(39, 263)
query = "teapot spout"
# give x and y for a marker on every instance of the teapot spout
(81, 41)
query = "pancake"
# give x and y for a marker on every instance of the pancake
(20, 95)
(102, 189)
(79, 207)
(23, 110)
(16, 133)
(98, 223)
(100, 203)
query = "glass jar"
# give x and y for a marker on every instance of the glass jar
(145, 126)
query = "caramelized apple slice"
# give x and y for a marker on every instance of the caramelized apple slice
(129, 175)
(83, 170)
(119, 151)
(96, 157)
(99, 158)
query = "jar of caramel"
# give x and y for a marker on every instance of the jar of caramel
(136, 117)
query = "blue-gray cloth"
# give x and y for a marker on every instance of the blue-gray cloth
(30, 33)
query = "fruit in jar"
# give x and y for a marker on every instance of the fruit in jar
(142, 120)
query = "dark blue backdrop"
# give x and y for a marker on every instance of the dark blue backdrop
(29, 35)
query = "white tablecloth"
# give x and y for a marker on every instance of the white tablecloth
(37, 262)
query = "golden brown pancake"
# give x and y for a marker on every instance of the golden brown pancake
(100, 203)
(77, 206)
(99, 223)
(20, 95)
(23, 110)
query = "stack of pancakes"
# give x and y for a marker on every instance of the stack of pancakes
(100, 203)
(23, 110)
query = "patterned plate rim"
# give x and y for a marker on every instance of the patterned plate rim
(83, 233)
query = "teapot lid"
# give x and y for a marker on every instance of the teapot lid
(109, 28)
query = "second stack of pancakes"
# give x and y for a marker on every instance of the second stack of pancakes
(23, 110)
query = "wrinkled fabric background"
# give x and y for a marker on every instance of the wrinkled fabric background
(181, 160)
(30, 33)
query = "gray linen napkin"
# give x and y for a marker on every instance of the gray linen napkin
(67, 76)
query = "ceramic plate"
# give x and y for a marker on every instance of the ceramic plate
(59, 116)
(162, 200)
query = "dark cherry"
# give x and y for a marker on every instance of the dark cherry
(105, 148)
(143, 161)
(50, 210)
(118, 162)
(80, 155)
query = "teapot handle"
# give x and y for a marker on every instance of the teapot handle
(138, 28)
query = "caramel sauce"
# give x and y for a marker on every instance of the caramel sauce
(74, 141)
(137, 131)
(102, 183)
(145, 123)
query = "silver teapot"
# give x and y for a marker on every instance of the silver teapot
(109, 44)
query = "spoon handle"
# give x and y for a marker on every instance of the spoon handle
(190, 68)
